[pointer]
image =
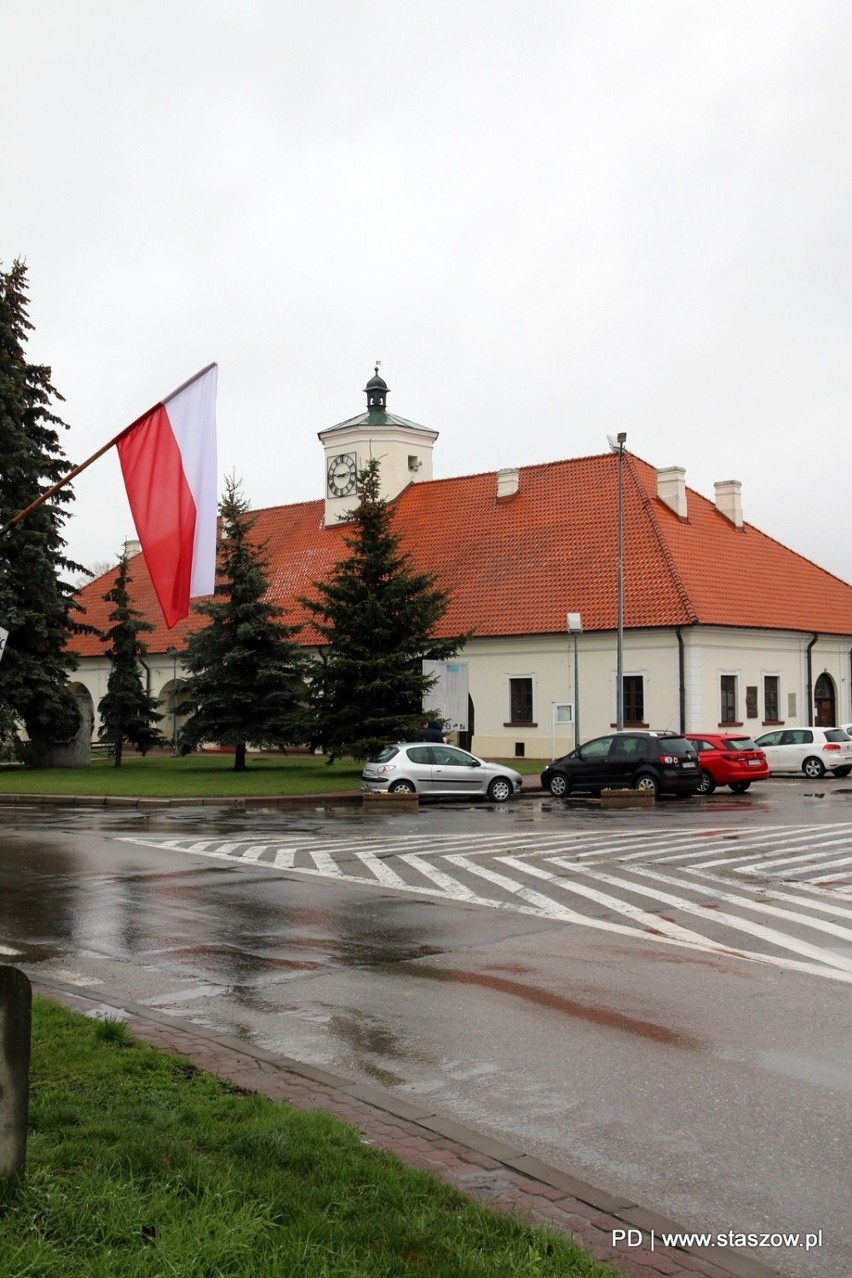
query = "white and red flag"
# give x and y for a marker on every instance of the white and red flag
(168, 459)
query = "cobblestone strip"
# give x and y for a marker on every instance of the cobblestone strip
(532, 1190)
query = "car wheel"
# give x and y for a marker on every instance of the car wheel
(403, 787)
(813, 768)
(500, 790)
(841, 772)
(558, 786)
(740, 787)
(706, 785)
(647, 784)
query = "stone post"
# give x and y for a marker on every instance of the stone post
(15, 1007)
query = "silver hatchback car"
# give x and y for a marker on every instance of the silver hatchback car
(445, 770)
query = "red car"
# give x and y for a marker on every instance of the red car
(727, 760)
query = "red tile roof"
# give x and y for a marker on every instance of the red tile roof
(516, 565)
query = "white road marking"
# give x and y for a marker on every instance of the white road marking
(721, 917)
(761, 907)
(836, 864)
(836, 878)
(382, 871)
(826, 906)
(445, 882)
(655, 921)
(254, 851)
(325, 864)
(285, 859)
(801, 858)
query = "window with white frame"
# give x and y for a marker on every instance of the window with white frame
(521, 699)
(728, 698)
(772, 698)
(633, 688)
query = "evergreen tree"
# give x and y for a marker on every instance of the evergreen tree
(378, 615)
(246, 670)
(36, 591)
(128, 712)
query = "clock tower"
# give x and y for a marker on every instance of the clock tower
(402, 448)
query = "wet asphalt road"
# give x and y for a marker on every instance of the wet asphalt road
(658, 1001)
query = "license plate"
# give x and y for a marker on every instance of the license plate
(686, 764)
(753, 763)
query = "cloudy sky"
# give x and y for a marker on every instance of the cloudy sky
(551, 221)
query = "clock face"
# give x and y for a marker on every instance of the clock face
(342, 474)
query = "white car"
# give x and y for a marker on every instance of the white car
(813, 751)
(419, 768)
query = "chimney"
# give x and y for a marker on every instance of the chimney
(508, 482)
(729, 500)
(671, 488)
(132, 546)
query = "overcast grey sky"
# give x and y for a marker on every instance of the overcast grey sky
(551, 221)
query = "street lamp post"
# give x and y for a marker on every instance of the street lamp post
(617, 446)
(575, 627)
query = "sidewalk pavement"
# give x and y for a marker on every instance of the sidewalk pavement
(492, 1171)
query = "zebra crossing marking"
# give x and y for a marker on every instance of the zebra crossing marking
(604, 871)
(654, 921)
(761, 907)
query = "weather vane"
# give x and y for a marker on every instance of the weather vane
(378, 366)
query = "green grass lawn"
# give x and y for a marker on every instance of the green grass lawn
(197, 775)
(204, 775)
(140, 1166)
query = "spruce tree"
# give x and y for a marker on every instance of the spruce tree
(36, 590)
(128, 712)
(378, 615)
(246, 680)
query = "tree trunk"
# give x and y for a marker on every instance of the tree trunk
(119, 743)
(240, 757)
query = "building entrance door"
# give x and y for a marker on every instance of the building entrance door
(824, 706)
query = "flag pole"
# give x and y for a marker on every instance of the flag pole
(72, 474)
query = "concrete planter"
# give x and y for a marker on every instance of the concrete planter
(383, 801)
(628, 798)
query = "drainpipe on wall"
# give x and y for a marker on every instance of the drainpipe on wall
(681, 673)
(811, 683)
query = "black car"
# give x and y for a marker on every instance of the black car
(661, 762)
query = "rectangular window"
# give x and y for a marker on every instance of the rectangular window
(521, 700)
(634, 699)
(771, 698)
(728, 694)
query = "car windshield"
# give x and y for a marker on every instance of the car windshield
(388, 753)
(677, 746)
(836, 734)
(738, 743)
